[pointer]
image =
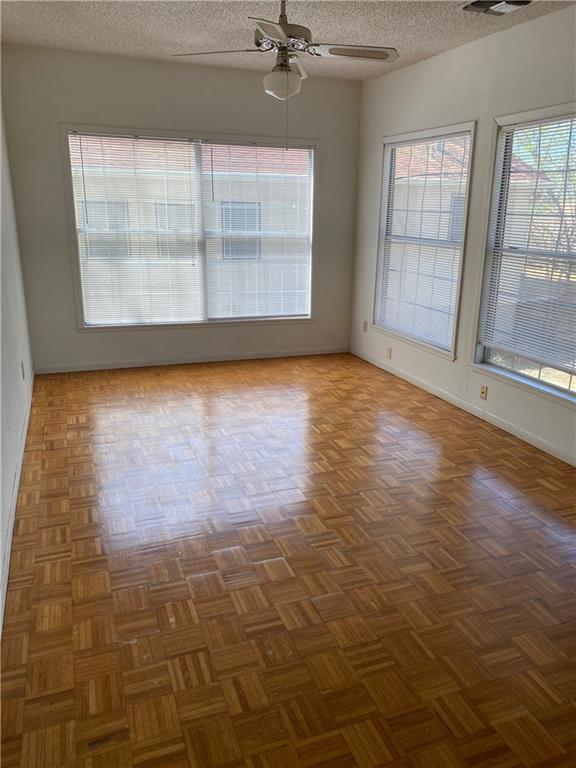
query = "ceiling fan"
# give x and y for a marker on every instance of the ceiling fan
(287, 41)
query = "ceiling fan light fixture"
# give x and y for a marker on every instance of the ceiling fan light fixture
(282, 84)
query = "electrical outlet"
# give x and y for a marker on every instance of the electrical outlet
(388, 353)
(365, 326)
(22, 369)
(484, 392)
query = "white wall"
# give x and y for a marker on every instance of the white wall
(43, 88)
(16, 392)
(527, 67)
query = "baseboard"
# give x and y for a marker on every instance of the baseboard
(497, 421)
(529, 437)
(7, 544)
(441, 393)
(186, 359)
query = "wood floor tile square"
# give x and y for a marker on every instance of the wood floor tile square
(153, 718)
(260, 730)
(213, 744)
(368, 744)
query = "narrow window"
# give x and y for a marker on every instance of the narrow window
(528, 313)
(421, 240)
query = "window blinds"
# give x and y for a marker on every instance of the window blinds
(180, 231)
(529, 294)
(422, 225)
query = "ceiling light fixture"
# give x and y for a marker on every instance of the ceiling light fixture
(283, 82)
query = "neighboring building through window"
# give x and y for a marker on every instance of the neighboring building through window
(423, 215)
(175, 224)
(528, 314)
(107, 222)
(242, 220)
(175, 217)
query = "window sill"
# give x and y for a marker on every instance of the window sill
(523, 382)
(445, 353)
(200, 324)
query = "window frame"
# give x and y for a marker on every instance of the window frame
(234, 139)
(479, 364)
(395, 140)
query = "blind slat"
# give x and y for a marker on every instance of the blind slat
(421, 237)
(177, 231)
(529, 292)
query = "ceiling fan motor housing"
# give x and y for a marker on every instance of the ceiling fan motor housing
(299, 38)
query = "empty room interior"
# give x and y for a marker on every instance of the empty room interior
(288, 384)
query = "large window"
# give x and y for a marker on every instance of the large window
(528, 315)
(422, 224)
(180, 231)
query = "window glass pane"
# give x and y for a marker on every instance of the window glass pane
(531, 369)
(257, 205)
(421, 237)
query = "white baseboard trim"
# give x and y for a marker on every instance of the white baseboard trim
(529, 437)
(497, 421)
(7, 544)
(441, 393)
(186, 359)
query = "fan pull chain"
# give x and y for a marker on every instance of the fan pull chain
(212, 171)
(287, 100)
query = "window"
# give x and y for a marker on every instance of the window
(528, 313)
(242, 220)
(424, 193)
(181, 231)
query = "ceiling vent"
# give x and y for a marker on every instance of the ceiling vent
(496, 8)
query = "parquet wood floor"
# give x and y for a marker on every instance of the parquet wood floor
(285, 563)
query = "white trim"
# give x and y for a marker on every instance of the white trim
(409, 138)
(486, 210)
(200, 324)
(529, 437)
(445, 353)
(420, 383)
(7, 543)
(209, 137)
(428, 133)
(536, 115)
(186, 360)
(534, 386)
(66, 128)
(497, 421)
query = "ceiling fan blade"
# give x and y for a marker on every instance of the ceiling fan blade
(298, 67)
(271, 30)
(366, 52)
(210, 53)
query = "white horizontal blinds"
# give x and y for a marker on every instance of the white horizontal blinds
(138, 220)
(529, 298)
(257, 204)
(183, 231)
(421, 237)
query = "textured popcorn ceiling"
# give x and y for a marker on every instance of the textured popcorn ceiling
(156, 30)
